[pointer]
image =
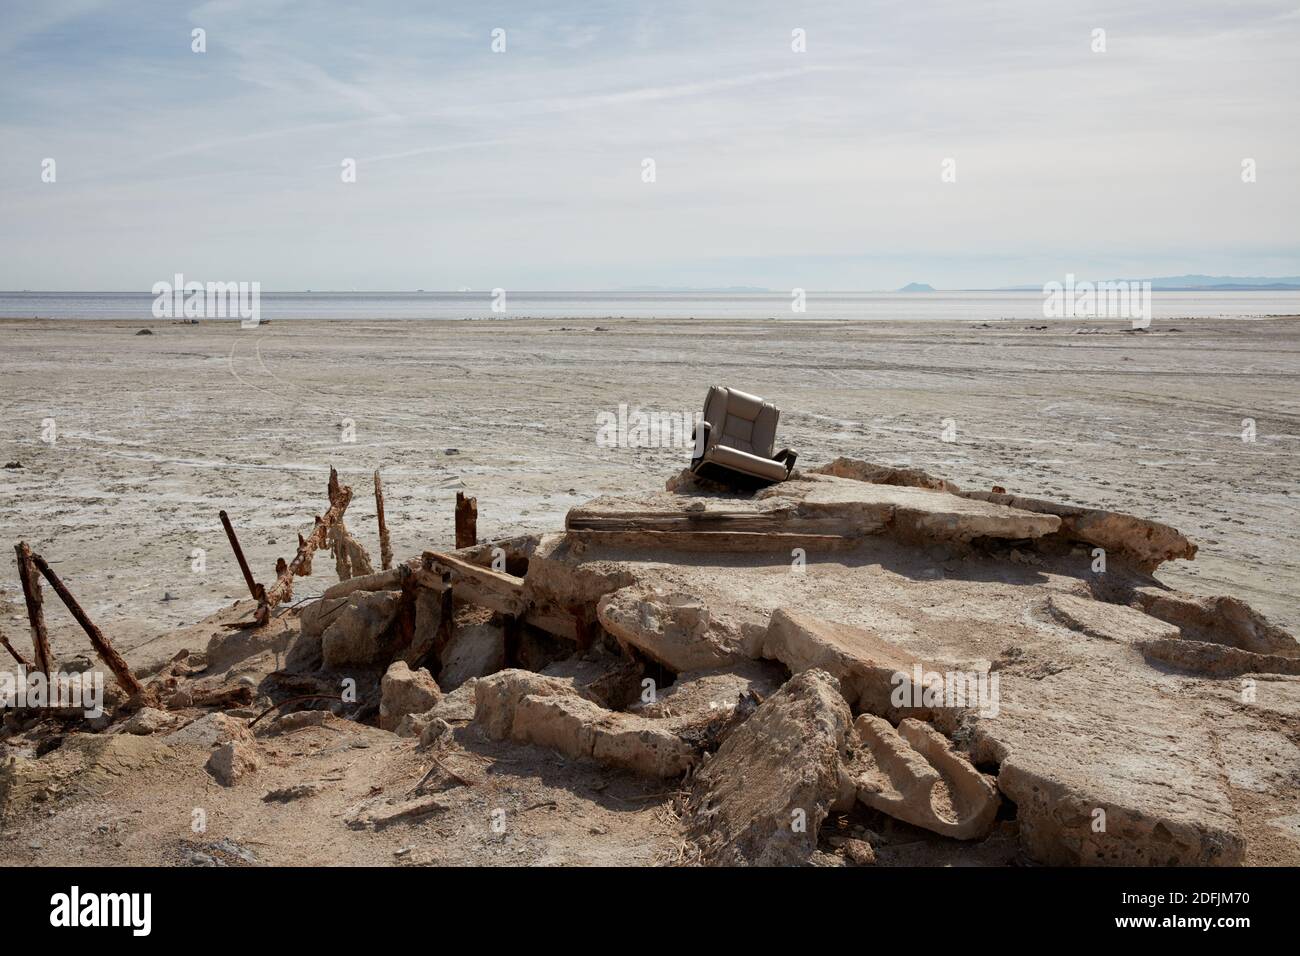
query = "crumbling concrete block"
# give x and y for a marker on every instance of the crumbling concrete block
(913, 774)
(581, 729)
(549, 711)
(496, 697)
(673, 629)
(457, 706)
(232, 761)
(762, 797)
(356, 633)
(404, 691)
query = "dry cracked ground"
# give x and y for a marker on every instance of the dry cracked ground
(872, 664)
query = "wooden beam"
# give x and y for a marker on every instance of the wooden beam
(103, 647)
(31, 583)
(474, 583)
(466, 521)
(782, 521)
(389, 580)
(385, 545)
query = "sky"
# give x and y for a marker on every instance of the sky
(821, 168)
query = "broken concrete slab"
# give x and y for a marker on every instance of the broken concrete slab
(824, 508)
(1146, 544)
(1218, 620)
(867, 666)
(706, 695)
(610, 680)
(867, 471)
(914, 774)
(404, 691)
(913, 514)
(672, 629)
(1111, 622)
(550, 712)
(1214, 660)
(315, 616)
(1105, 767)
(760, 800)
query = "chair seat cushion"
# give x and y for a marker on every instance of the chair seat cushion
(742, 461)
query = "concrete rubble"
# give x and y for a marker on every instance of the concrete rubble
(862, 644)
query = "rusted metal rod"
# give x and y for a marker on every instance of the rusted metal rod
(13, 652)
(340, 496)
(35, 607)
(239, 556)
(385, 545)
(103, 647)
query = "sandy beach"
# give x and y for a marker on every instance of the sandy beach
(155, 433)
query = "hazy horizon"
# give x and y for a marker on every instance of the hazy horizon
(523, 169)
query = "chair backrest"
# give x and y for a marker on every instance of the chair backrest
(741, 421)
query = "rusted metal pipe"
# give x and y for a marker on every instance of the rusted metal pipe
(103, 647)
(239, 556)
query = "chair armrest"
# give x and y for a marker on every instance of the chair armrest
(700, 442)
(787, 457)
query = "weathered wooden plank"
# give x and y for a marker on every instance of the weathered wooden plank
(466, 521)
(385, 544)
(474, 583)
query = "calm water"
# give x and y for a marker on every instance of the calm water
(608, 305)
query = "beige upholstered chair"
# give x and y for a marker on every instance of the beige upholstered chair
(735, 447)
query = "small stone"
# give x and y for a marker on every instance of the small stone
(147, 720)
(232, 761)
(859, 852)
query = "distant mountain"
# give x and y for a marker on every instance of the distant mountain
(1195, 283)
(1225, 282)
(917, 287)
